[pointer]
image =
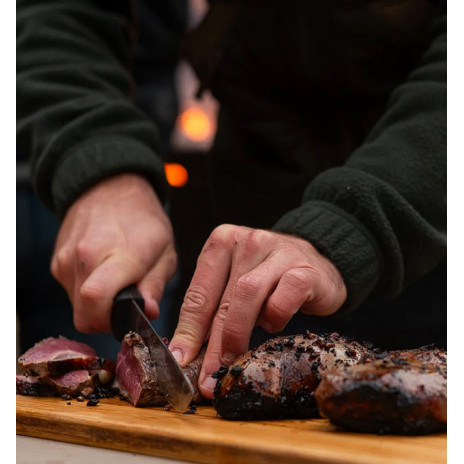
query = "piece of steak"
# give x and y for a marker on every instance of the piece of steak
(278, 379)
(74, 383)
(57, 356)
(136, 376)
(33, 386)
(135, 373)
(59, 366)
(404, 392)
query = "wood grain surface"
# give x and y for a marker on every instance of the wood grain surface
(206, 438)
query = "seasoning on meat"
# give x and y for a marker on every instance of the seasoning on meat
(403, 392)
(278, 379)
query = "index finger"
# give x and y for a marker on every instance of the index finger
(201, 299)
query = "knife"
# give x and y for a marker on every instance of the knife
(128, 315)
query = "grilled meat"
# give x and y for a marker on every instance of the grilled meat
(136, 373)
(400, 392)
(59, 366)
(278, 379)
(56, 356)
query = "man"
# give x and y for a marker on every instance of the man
(329, 167)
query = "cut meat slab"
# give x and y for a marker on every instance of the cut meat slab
(277, 380)
(56, 356)
(136, 374)
(402, 392)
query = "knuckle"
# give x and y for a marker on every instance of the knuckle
(248, 285)
(299, 278)
(221, 312)
(219, 237)
(196, 300)
(85, 253)
(61, 262)
(92, 295)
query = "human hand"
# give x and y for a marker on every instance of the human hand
(246, 277)
(114, 235)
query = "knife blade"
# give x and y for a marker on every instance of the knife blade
(128, 315)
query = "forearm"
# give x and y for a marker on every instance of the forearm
(381, 217)
(75, 114)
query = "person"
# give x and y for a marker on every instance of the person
(329, 167)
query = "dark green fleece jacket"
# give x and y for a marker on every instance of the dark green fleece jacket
(376, 205)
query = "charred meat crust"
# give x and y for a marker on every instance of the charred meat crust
(403, 392)
(278, 379)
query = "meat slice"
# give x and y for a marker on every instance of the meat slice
(136, 375)
(56, 356)
(74, 383)
(278, 379)
(33, 386)
(403, 392)
(59, 366)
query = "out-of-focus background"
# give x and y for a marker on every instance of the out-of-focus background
(188, 125)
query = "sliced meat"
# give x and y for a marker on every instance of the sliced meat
(57, 356)
(136, 374)
(73, 383)
(59, 366)
(33, 386)
(278, 379)
(192, 371)
(403, 392)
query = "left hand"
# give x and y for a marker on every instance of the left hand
(246, 277)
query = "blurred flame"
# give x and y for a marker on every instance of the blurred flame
(195, 124)
(176, 174)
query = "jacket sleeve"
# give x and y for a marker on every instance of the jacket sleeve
(381, 217)
(75, 116)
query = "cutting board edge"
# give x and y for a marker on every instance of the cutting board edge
(198, 450)
(36, 418)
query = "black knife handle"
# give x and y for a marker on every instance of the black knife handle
(122, 316)
(130, 293)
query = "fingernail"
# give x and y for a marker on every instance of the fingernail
(209, 383)
(267, 326)
(228, 357)
(178, 355)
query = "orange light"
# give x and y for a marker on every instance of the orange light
(176, 174)
(195, 124)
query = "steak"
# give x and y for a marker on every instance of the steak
(56, 356)
(403, 392)
(136, 374)
(59, 366)
(278, 379)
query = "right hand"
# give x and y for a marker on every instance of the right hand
(114, 235)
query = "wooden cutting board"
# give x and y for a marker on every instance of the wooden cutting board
(206, 438)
